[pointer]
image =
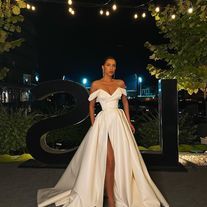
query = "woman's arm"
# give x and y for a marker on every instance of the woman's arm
(92, 104)
(126, 107)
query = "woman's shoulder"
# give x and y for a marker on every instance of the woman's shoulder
(121, 83)
(95, 83)
(99, 82)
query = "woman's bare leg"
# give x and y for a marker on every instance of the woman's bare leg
(109, 179)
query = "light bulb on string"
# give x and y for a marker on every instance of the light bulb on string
(173, 16)
(143, 15)
(157, 9)
(28, 6)
(73, 12)
(70, 9)
(190, 10)
(101, 12)
(107, 13)
(70, 2)
(135, 16)
(114, 7)
(33, 8)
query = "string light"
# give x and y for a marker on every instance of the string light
(70, 2)
(107, 13)
(114, 7)
(136, 16)
(190, 10)
(157, 9)
(28, 6)
(33, 8)
(101, 12)
(143, 15)
(70, 9)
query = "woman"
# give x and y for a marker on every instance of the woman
(108, 157)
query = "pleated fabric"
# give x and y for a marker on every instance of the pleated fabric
(82, 183)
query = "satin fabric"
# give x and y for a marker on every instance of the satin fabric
(82, 183)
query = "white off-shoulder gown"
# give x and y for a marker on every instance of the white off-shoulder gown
(82, 183)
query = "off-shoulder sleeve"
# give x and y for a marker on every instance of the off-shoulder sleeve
(124, 91)
(93, 95)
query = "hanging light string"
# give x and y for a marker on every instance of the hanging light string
(30, 7)
(105, 9)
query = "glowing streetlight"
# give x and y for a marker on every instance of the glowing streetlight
(140, 85)
(33, 8)
(37, 78)
(173, 16)
(84, 81)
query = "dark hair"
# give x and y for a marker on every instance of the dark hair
(106, 58)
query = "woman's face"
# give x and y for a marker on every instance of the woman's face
(109, 67)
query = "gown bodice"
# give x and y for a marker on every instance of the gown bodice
(108, 101)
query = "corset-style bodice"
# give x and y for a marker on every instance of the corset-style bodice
(107, 101)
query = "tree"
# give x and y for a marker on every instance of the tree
(10, 19)
(184, 27)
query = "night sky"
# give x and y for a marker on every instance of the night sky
(75, 46)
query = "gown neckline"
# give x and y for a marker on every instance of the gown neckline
(107, 92)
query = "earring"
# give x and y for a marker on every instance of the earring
(102, 72)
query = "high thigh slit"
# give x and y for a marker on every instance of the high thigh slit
(82, 183)
(108, 165)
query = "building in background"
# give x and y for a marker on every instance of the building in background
(23, 68)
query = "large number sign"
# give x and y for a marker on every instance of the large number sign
(36, 137)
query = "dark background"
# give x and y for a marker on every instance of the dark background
(75, 46)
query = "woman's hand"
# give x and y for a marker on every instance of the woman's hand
(132, 127)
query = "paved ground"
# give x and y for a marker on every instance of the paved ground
(181, 189)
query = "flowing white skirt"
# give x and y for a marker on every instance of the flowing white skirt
(82, 183)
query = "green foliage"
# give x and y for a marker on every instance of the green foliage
(185, 148)
(187, 129)
(185, 51)
(142, 148)
(5, 158)
(10, 19)
(201, 147)
(155, 148)
(13, 128)
(192, 148)
(148, 131)
(3, 72)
